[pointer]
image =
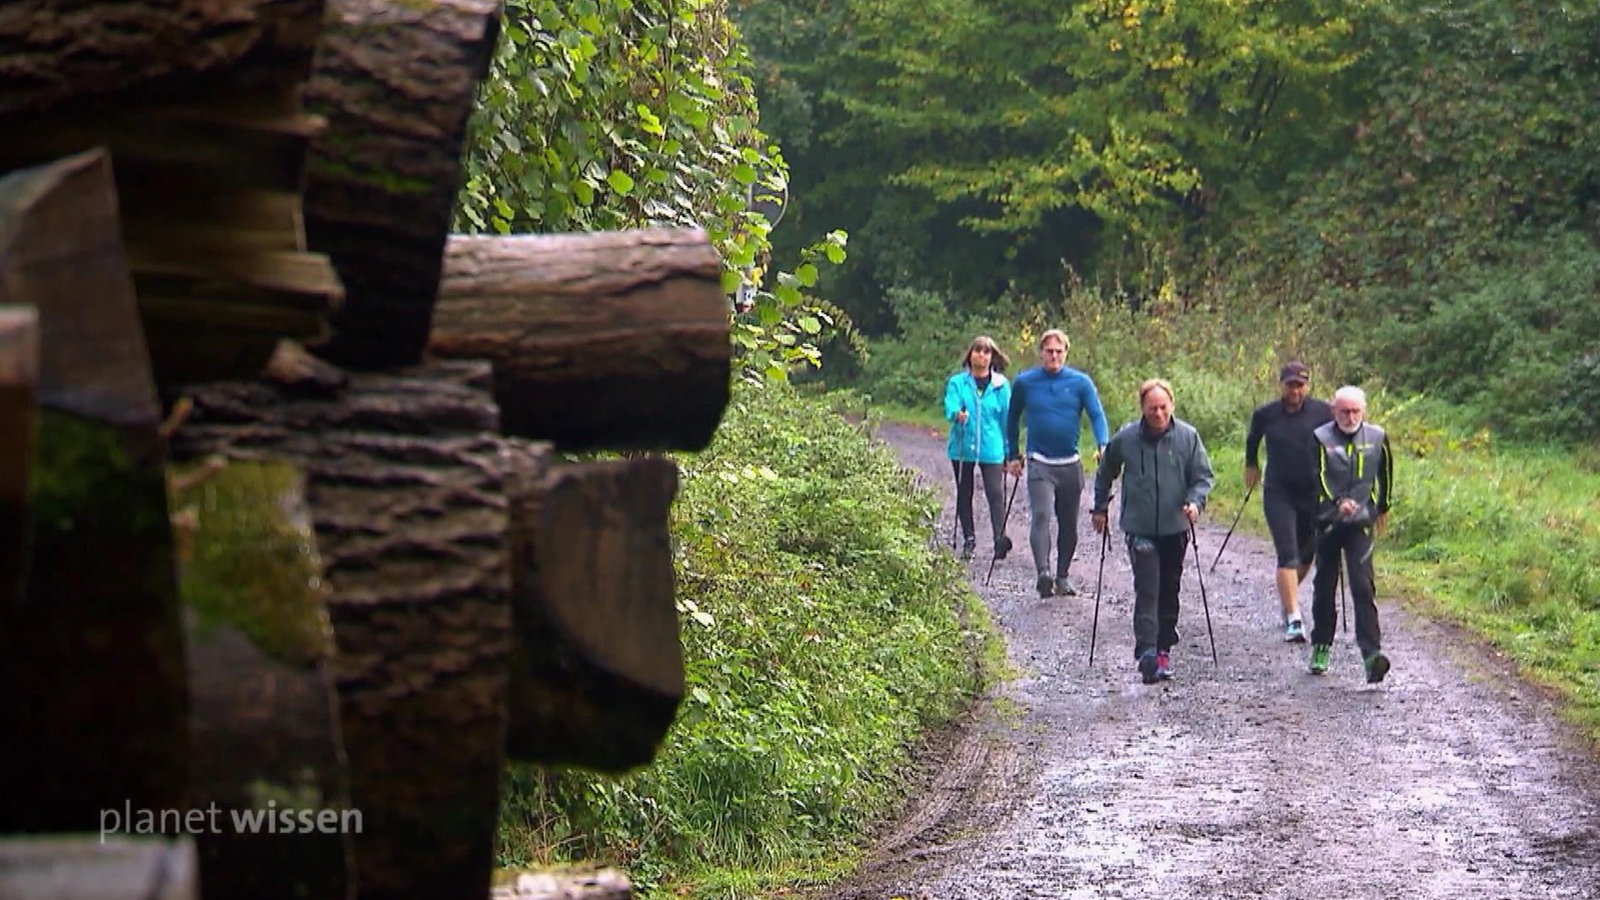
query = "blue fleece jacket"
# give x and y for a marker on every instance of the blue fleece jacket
(982, 438)
(1054, 406)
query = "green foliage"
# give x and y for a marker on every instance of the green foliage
(611, 114)
(910, 369)
(977, 146)
(606, 114)
(822, 636)
(1517, 341)
(1454, 244)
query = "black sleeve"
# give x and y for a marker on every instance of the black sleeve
(1252, 441)
(1386, 478)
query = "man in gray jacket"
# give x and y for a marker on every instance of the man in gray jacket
(1166, 477)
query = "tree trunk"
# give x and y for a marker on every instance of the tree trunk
(98, 868)
(597, 669)
(405, 484)
(19, 379)
(56, 54)
(91, 656)
(610, 340)
(265, 723)
(397, 82)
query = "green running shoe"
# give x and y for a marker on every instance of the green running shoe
(1319, 658)
(1377, 666)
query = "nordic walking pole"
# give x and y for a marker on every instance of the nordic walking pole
(1205, 604)
(1006, 519)
(1242, 504)
(1094, 624)
(956, 525)
(1344, 599)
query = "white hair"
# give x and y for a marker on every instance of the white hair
(1351, 393)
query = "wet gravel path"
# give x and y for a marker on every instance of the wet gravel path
(1251, 778)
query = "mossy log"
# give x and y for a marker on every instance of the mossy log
(396, 82)
(19, 379)
(405, 484)
(209, 169)
(611, 340)
(264, 720)
(91, 654)
(597, 669)
(92, 867)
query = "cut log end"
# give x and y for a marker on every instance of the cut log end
(597, 671)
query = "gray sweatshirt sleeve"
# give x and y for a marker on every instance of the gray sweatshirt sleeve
(1200, 475)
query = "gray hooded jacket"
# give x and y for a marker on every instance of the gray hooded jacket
(1159, 475)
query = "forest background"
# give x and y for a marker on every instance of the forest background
(1405, 194)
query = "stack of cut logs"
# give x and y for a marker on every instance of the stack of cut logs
(224, 246)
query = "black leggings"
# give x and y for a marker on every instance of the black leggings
(993, 491)
(1292, 520)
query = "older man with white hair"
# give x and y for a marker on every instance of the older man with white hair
(1355, 489)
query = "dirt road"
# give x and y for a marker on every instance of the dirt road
(1249, 779)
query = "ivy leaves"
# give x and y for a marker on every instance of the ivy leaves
(614, 114)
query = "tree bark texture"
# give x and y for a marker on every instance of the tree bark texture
(19, 379)
(397, 82)
(209, 170)
(265, 714)
(91, 653)
(597, 667)
(56, 52)
(614, 340)
(102, 868)
(405, 484)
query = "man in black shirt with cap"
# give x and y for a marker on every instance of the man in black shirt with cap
(1289, 495)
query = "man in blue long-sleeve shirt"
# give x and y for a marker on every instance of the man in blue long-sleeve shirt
(1054, 398)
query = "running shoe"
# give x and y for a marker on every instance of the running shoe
(1148, 664)
(1295, 632)
(1377, 666)
(1319, 658)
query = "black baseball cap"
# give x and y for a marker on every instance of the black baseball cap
(1295, 371)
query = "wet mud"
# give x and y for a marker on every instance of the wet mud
(1247, 778)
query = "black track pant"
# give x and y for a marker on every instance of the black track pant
(1355, 543)
(993, 490)
(1157, 574)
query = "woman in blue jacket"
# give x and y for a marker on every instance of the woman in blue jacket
(976, 400)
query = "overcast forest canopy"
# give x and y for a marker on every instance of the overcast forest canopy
(1414, 180)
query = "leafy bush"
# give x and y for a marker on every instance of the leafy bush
(1514, 341)
(909, 368)
(822, 636)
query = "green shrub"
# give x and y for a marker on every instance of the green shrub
(1517, 342)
